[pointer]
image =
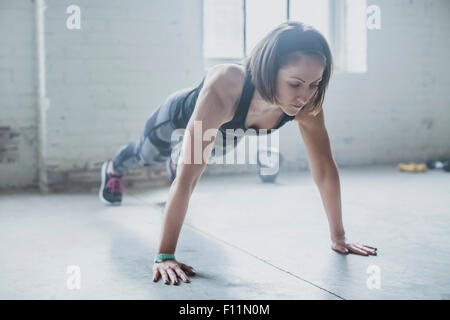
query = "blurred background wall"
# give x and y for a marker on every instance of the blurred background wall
(104, 80)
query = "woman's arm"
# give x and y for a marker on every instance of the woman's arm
(211, 111)
(326, 177)
(207, 115)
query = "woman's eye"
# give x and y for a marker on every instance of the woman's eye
(297, 85)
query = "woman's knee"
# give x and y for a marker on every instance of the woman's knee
(153, 152)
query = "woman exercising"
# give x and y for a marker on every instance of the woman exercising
(284, 79)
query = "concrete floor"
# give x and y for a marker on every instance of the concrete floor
(246, 240)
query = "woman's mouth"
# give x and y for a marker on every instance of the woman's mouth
(297, 106)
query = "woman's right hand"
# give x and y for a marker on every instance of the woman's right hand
(171, 269)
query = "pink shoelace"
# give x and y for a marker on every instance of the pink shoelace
(114, 184)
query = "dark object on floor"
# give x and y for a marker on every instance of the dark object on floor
(444, 164)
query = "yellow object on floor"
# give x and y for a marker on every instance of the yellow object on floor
(412, 167)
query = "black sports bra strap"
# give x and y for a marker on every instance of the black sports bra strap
(245, 99)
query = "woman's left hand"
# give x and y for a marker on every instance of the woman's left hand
(345, 247)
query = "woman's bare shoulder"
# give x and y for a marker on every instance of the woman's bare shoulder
(226, 81)
(225, 74)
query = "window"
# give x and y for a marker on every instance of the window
(233, 27)
(223, 29)
(355, 45)
(261, 17)
(315, 13)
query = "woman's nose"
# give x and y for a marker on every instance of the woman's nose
(301, 98)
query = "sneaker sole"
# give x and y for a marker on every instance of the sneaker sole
(103, 186)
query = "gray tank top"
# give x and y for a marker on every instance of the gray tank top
(185, 107)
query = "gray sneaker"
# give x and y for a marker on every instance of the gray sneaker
(111, 189)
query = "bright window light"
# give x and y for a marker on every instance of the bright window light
(342, 22)
(356, 36)
(263, 16)
(223, 35)
(315, 13)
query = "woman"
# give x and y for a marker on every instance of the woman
(284, 79)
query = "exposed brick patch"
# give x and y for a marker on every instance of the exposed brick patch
(89, 180)
(9, 145)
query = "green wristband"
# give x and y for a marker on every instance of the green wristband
(164, 256)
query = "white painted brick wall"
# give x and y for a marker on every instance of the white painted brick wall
(18, 144)
(107, 78)
(400, 109)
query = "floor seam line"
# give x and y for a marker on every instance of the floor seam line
(243, 250)
(263, 260)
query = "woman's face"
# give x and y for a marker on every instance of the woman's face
(297, 83)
